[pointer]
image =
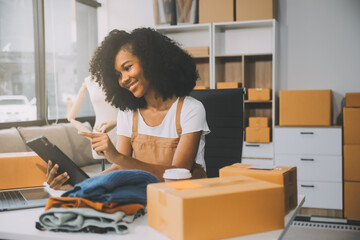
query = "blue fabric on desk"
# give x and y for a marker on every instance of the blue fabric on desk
(123, 186)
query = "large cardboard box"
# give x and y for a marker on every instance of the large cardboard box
(216, 11)
(259, 94)
(305, 107)
(352, 200)
(258, 122)
(223, 85)
(351, 122)
(352, 162)
(18, 170)
(215, 208)
(352, 99)
(255, 9)
(257, 134)
(286, 176)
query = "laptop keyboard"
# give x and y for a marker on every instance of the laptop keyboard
(10, 199)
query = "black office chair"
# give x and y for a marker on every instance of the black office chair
(225, 117)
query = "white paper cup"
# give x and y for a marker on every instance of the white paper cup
(176, 174)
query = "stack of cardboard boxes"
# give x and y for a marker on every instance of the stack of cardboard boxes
(351, 124)
(258, 130)
(245, 199)
(236, 10)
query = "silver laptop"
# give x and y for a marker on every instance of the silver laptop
(13, 199)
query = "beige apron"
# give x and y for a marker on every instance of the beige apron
(160, 150)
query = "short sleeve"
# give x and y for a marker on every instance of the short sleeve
(124, 123)
(193, 117)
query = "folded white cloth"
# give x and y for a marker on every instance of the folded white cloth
(76, 219)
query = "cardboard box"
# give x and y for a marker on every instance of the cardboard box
(259, 94)
(352, 99)
(258, 122)
(198, 51)
(351, 122)
(257, 134)
(24, 169)
(216, 11)
(286, 176)
(255, 9)
(201, 87)
(352, 200)
(352, 162)
(305, 107)
(222, 85)
(215, 208)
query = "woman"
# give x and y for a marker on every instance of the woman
(148, 77)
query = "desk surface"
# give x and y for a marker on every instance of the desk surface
(20, 224)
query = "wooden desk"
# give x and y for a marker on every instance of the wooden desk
(20, 224)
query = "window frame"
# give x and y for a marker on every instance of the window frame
(40, 71)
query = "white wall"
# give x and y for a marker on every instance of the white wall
(319, 42)
(320, 47)
(124, 15)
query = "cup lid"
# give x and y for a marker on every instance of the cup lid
(177, 173)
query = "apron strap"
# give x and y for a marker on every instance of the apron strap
(135, 121)
(178, 111)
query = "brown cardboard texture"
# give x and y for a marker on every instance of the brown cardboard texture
(255, 9)
(351, 121)
(286, 176)
(216, 11)
(352, 99)
(352, 200)
(257, 134)
(305, 107)
(198, 51)
(19, 170)
(352, 162)
(201, 87)
(258, 122)
(259, 94)
(222, 85)
(215, 208)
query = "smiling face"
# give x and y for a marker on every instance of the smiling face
(130, 73)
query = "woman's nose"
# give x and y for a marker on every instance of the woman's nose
(124, 79)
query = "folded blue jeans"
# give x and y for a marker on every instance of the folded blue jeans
(123, 186)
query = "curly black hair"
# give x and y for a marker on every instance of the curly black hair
(170, 70)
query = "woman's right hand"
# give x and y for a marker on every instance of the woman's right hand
(54, 181)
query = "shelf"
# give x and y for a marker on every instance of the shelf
(242, 55)
(241, 52)
(260, 101)
(245, 24)
(181, 28)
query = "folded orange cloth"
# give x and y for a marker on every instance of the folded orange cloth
(107, 207)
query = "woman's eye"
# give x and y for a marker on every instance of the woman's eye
(127, 68)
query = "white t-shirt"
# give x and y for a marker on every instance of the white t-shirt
(192, 119)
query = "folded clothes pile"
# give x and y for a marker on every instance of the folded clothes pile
(100, 204)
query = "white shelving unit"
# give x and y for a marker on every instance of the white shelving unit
(317, 154)
(194, 35)
(243, 52)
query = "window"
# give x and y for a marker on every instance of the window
(68, 42)
(17, 64)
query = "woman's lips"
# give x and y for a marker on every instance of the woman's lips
(132, 86)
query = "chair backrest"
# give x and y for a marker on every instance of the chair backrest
(225, 117)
